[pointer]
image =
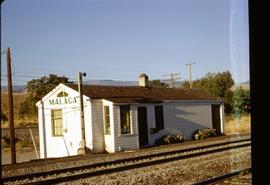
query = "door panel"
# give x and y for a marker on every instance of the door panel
(142, 124)
(216, 118)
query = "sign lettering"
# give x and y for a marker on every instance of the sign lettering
(63, 101)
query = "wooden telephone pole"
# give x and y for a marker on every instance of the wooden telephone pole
(10, 108)
(173, 78)
(83, 143)
(190, 73)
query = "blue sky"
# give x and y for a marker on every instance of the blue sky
(119, 39)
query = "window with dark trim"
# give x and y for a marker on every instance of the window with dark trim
(159, 117)
(125, 119)
(107, 120)
(57, 122)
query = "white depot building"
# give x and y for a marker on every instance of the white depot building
(121, 118)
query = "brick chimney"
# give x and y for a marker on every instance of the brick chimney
(143, 80)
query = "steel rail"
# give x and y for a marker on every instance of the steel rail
(223, 177)
(132, 166)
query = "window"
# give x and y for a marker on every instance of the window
(57, 122)
(107, 120)
(62, 94)
(159, 117)
(125, 119)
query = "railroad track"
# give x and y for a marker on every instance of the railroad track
(86, 171)
(225, 179)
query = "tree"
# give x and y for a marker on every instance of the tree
(3, 116)
(218, 84)
(241, 101)
(157, 83)
(37, 89)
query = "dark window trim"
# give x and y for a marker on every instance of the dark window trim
(106, 132)
(127, 107)
(159, 117)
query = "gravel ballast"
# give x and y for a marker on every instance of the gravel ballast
(51, 164)
(186, 171)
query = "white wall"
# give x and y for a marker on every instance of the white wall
(88, 123)
(68, 144)
(179, 116)
(126, 141)
(97, 126)
(185, 117)
(109, 139)
(182, 117)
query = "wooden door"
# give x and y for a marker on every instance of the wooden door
(142, 124)
(216, 118)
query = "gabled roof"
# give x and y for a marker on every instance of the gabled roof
(132, 94)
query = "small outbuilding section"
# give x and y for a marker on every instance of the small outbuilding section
(122, 118)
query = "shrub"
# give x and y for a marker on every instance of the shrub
(180, 137)
(4, 144)
(24, 143)
(153, 130)
(168, 139)
(204, 133)
(3, 116)
(7, 140)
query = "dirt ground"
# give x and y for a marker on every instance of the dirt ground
(22, 155)
(237, 125)
(232, 126)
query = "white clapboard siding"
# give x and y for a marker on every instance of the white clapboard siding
(185, 118)
(125, 141)
(72, 130)
(109, 143)
(109, 139)
(97, 126)
(88, 124)
(151, 122)
(55, 144)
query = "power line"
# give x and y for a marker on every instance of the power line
(42, 65)
(173, 78)
(71, 77)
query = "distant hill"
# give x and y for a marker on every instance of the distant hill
(111, 82)
(21, 88)
(178, 84)
(15, 88)
(125, 83)
(18, 98)
(244, 85)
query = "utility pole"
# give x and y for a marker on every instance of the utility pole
(10, 107)
(83, 144)
(190, 73)
(173, 78)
